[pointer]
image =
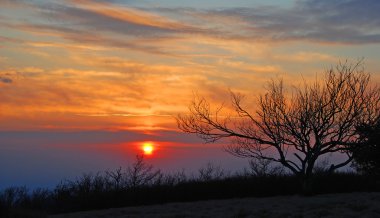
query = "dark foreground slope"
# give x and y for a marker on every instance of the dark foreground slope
(327, 205)
(93, 193)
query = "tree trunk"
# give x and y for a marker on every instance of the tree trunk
(307, 185)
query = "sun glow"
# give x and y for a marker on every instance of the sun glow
(148, 148)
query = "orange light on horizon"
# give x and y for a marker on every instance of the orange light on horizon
(148, 148)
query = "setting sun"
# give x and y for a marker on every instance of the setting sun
(148, 148)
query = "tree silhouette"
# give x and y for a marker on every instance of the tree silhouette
(367, 157)
(294, 128)
(141, 173)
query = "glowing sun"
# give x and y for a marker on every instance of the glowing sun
(148, 148)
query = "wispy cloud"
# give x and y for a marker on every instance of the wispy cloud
(351, 21)
(4, 79)
(8, 77)
(121, 66)
(130, 15)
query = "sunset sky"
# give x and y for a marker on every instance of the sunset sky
(130, 66)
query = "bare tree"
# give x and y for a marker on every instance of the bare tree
(141, 173)
(211, 172)
(116, 179)
(263, 167)
(294, 128)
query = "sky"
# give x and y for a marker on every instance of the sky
(96, 67)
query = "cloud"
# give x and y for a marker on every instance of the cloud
(85, 39)
(318, 21)
(322, 21)
(12, 3)
(328, 21)
(83, 23)
(5, 79)
(302, 57)
(109, 17)
(8, 77)
(60, 96)
(114, 64)
(129, 15)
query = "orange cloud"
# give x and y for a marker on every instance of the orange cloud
(81, 72)
(130, 15)
(142, 100)
(303, 56)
